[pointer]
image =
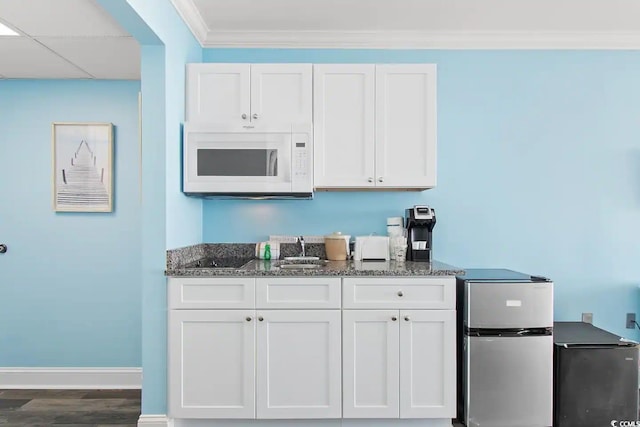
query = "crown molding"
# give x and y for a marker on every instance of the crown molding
(518, 40)
(191, 16)
(423, 40)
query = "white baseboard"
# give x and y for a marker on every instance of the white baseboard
(154, 421)
(71, 378)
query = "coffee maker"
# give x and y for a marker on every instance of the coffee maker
(420, 221)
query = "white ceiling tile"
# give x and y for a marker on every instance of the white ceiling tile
(23, 58)
(104, 57)
(5, 30)
(61, 18)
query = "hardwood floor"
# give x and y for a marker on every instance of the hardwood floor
(69, 408)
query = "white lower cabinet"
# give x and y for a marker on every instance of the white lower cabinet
(299, 358)
(427, 363)
(371, 363)
(399, 363)
(291, 352)
(212, 364)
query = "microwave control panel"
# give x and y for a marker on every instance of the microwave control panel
(301, 163)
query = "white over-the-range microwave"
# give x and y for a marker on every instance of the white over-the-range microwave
(248, 161)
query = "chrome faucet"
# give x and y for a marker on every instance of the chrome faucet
(301, 243)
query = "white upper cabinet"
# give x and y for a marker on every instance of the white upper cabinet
(244, 94)
(375, 126)
(281, 93)
(343, 122)
(218, 93)
(406, 126)
(299, 355)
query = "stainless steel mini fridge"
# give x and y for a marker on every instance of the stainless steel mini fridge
(505, 359)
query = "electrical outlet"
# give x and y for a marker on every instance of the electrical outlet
(631, 320)
(587, 317)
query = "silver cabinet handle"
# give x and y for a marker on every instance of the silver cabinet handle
(400, 293)
(394, 318)
(244, 117)
(3, 248)
(380, 179)
(248, 319)
(370, 180)
(255, 116)
(407, 318)
(261, 318)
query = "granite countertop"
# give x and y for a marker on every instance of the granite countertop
(255, 268)
(237, 260)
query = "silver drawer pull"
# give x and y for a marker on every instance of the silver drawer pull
(248, 319)
(400, 293)
(394, 318)
(407, 318)
(261, 318)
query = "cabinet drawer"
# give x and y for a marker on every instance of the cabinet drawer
(420, 293)
(298, 292)
(219, 292)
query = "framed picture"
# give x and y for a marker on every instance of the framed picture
(82, 167)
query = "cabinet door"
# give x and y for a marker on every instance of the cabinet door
(211, 364)
(406, 125)
(281, 93)
(371, 364)
(298, 364)
(343, 125)
(427, 364)
(218, 93)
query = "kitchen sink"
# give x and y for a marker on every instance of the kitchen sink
(302, 259)
(300, 263)
(300, 266)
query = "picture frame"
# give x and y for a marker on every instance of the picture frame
(82, 167)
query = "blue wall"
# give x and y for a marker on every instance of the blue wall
(70, 282)
(183, 214)
(170, 219)
(538, 171)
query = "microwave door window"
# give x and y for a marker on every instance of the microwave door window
(237, 162)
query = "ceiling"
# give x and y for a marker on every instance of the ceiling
(65, 39)
(483, 24)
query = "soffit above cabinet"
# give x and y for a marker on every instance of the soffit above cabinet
(65, 39)
(435, 24)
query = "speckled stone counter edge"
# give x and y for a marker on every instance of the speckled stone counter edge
(178, 258)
